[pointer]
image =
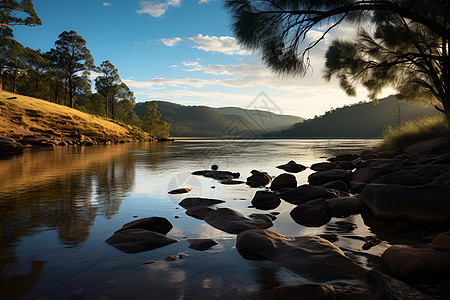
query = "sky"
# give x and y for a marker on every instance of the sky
(183, 51)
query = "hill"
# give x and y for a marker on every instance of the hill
(47, 124)
(362, 120)
(204, 121)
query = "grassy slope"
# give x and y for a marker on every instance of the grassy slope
(26, 115)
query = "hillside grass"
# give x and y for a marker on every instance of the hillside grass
(25, 115)
(397, 138)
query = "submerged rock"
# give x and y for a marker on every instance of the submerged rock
(180, 191)
(283, 181)
(156, 224)
(138, 240)
(201, 244)
(217, 174)
(292, 167)
(311, 257)
(231, 182)
(195, 201)
(265, 200)
(258, 179)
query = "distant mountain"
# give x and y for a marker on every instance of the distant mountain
(204, 121)
(360, 120)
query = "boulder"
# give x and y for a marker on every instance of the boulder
(306, 192)
(356, 186)
(194, 201)
(368, 154)
(231, 182)
(217, 174)
(387, 288)
(369, 174)
(302, 291)
(341, 207)
(423, 204)
(314, 213)
(229, 220)
(442, 242)
(180, 191)
(344, 157)
(336, 185)
(292, 167)
(323, 177)
(403, 177)
(426, 146)
(214, 167)
(432, 170)
(324, 166)
(283, 181)
(138, 240)
(416, 262)
(311, 257)
(258, 179)
(201, 244)
(10, 146)
(346, 165)
(156, 224)
(265, 200)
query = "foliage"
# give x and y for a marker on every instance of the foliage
(151, 122)
(14, 13)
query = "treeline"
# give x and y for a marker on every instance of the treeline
(63, 76)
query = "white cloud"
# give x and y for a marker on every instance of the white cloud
(106, 4)
(170, 42)
(203, 1)
(157, 8)
(169, 82)
(223, 44)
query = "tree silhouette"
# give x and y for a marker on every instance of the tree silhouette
(14, 13)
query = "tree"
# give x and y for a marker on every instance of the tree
(14, 13)
(36, 67)
(151, 122)
(73, 58)
(114, 90)
(277, 29)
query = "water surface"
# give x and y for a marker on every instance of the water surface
(58, 206)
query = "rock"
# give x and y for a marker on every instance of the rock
(258, 179)
(416, 262)
(344, 157)
(371, 243)
(292, 167)
(388, 153)
(403, 177)
(388, 288)
(444, 178)
(341, 207)
(302, 291)
(424, 203)
(180, 191)
(306, 192)
(201, 244)
(357, 186)
(231, 181)
(369, 174)
(426, 146)
(265, 200)
(314, 213)
(311, 257)
(283, 181)
(323, 177)
(156, 224)
(368, 154)
(442, 242)
(336, 185)
(194, 201)
(214, 167)
(175, 257)
(346, 165)
(432, 170)
(229, 220)
(324, 166)
(138, 240)
(217, 174)
(9, 145)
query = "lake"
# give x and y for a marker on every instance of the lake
(58, 206)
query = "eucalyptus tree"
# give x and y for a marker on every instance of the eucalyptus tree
(73, 58)
(14, 13)
(279, 29)
(36, 68)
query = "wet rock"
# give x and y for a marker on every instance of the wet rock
(231, 181)
(194, 201)
(180, 191)
(283, 181)
(368, 154)
(214, 167)
(344, 157)
(323, 177)
(341, 207)
(370, 243)
(357, 186)
(138, 240)
(201, 244)
(306, 192)
(258, 179)
(175, 257)
(432, 170)
(311, 257)
(416, 262)
(265, 200)
(229, 220)
(369, 174)
(9, 145)
(388, 288)
(314, 213)
(303, 291)
(424, 204)
(388, 153)
(324, 166)
(426, 146)
(156, 224)
(331, 237)
(346, 165)
(217, 174)
(442, 242)
(403, 177)
(292, 167)
(336, 185)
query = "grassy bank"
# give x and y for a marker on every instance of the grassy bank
(21, 115)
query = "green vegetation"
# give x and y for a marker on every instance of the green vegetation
(414, 131)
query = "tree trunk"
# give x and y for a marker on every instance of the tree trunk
(1, 80)
(70, 92)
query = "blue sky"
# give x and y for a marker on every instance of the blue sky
(183, 51)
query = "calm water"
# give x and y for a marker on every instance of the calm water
(57, 207)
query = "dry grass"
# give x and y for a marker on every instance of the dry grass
(23, 115)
